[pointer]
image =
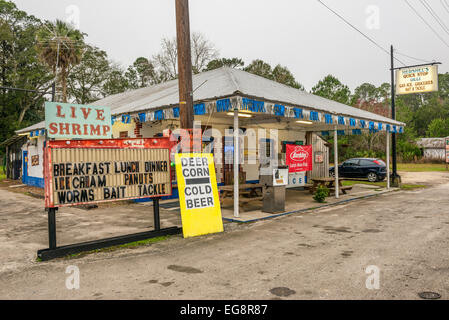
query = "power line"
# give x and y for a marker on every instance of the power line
(445, 5)
(413, 58)
(356, 29)
(434, 15)
(424, 20)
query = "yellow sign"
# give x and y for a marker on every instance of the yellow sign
(417, 79)
(198, 194)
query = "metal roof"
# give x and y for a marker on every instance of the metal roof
(12, 140)
(220, 83)
(431, 143)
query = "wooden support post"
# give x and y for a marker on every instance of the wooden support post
(184, 64)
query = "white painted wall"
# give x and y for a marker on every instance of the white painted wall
(435, 154)
(35, 147)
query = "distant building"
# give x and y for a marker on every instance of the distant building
(433, 148)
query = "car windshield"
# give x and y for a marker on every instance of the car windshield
(380, 162)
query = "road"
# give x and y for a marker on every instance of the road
(322, 254)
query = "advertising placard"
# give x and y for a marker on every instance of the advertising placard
(280, 177)
(297, 179)
(94, 171)
(74, 121)
(198, 194)
(299, 158)
(417, 79)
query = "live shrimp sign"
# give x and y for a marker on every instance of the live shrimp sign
(73, 121)
(299, 158)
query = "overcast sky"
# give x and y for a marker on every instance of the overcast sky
(302, 35)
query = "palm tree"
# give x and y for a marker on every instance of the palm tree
(60, 46)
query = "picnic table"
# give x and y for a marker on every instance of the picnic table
(329, 183)
(250, 189)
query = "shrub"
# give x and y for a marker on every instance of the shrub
(408, 151)
(320, 194)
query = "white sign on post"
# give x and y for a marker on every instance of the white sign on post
(417, 79)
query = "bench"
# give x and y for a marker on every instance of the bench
(342, 189)
(329, 183)
(250, 190)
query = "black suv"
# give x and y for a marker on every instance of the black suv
(369, 168)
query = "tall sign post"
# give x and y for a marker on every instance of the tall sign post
(395, 178)
(447, 152)
(420, 78)
(184, 64)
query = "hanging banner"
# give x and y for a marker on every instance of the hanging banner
(198, 194)
(74, 121)
(417, 79)
(94, 171)
(299, 158)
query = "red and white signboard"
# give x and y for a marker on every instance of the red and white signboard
(299, 158)
(93, 171)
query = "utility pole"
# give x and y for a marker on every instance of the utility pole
(393, 116)
(184, 64)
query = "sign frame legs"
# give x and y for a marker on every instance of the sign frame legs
(54, 251)
(52, 227)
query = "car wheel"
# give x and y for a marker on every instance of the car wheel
(332, 174)
(372, 177)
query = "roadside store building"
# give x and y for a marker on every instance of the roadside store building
(433, 148)
(225, 99)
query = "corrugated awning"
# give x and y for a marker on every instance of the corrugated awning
(246, 90)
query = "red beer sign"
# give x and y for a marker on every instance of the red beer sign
(299, 158)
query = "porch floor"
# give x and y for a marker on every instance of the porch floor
(296, 201)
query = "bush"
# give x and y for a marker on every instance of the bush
(321, 193)
(408, 151)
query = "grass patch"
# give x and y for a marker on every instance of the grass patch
(421, 167)
(2, 174)
(383, 184)
(412, 186)
(130, 245)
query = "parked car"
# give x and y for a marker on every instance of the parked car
(368, 168)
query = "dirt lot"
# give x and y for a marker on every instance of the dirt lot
(321, 254)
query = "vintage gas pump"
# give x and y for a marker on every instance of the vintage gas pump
(275, 180)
